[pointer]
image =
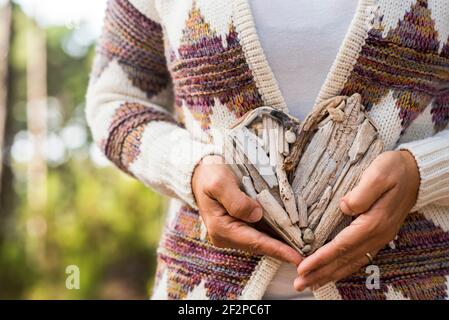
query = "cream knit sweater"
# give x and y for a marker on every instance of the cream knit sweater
(170, 76)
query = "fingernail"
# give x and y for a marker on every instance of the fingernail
(255, 215)
(299, 284)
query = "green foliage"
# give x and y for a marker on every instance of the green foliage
(103, 221)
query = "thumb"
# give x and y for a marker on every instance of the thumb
(371, 187)
(238, 204)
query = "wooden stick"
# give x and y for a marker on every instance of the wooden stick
(272, 133)
(247, 143)
(318, 210)
(248, 187)
(290, 232)
(265, 135)
(302, 211)
(318, 114)
(286, 192)
(280, 141)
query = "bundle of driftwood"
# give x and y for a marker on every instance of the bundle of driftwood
(298, 172)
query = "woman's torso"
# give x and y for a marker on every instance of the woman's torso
(202, 32)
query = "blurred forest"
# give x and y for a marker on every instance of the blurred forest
(61, 202)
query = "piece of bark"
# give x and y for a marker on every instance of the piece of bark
(273, 147)
(231, 158)
(248, 187)
(234, 158)
(302, 211)
(365, 136)
(247, 143)
(318, 210)
(336, 114)
(319, 112)
(286, 192)
(280, 136)
(279, 219)
(265, 135)
(311, 157)
(286, 150)
(259, 183)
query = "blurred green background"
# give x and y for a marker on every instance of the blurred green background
(61, 202)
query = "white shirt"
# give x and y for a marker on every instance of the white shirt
(300, 39)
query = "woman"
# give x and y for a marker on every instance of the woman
(171, 76)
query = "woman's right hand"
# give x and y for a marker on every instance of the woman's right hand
(226, 212)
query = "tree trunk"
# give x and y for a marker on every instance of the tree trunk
(5, 39)
(37, 129)
(7, 194)
(36, 116)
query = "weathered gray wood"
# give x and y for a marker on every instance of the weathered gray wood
(281, 144)
(272, 133)
(306, 129)
(286, 192)
(281, 218)
(258, 182)
(315, 164)
(365, 136)
(333, 158)
(248, 187)
(332, 216)
(233, 159)
(286, 149)
(302, 211)
(248, 144)
(317, 211)
(311, 156)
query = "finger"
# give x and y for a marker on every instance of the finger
(360, 262)
(370, 188)
(329, 273)
(337, 269)
(348, 240)
(210, 208)
(347, 262)
(238, 204)
(244, 237)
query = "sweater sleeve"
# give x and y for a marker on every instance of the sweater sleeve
(129, 103)
(432, 156)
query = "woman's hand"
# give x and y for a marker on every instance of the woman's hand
(381, 201)
(225, 210)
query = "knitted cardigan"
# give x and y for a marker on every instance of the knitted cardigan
(170, 76)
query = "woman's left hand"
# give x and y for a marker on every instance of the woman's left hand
(381, 201)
